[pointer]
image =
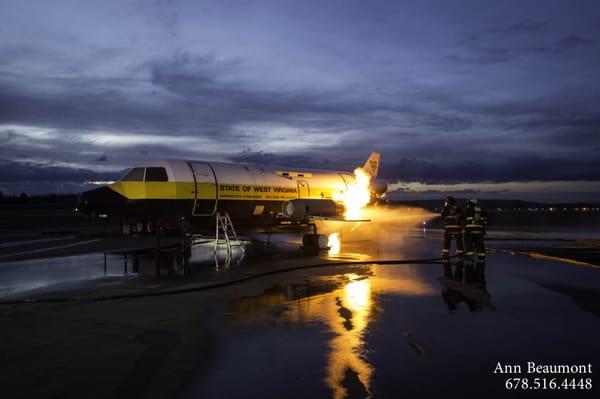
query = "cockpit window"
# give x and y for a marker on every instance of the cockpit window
(135, 174)
(156, 174)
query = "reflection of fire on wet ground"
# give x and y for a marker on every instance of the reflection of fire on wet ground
(346, 304)
(346, 312)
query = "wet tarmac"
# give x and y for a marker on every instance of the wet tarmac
(358, 330)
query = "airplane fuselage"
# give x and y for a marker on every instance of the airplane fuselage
(197, 190)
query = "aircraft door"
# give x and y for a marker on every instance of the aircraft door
(303, 189)
(205, 199)
(257, 204)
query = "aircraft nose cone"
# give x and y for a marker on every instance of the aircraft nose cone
(98, 201)
(81, 203)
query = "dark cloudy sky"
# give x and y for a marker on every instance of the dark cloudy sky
(459, 96)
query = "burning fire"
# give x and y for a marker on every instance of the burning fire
(357, 196)
(334, 243)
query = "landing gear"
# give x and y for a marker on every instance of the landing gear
(139, 227)
(146, 227)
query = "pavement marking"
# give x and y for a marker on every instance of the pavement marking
(48, 249)
(537, 255)
(17, 243)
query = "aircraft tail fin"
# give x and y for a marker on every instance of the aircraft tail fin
(372, 164)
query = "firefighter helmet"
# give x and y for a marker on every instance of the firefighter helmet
(472, 202)
(449, 201)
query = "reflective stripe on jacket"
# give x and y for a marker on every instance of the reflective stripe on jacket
(476, 219)
(452, 217)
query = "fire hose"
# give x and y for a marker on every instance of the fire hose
(103, 298)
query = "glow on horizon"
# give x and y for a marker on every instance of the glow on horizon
(499, 189)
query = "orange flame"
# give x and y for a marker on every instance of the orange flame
(357, 195)
(334, 243)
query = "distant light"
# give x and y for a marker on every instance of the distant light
(424, 222)
(76, 209)
(99, 182)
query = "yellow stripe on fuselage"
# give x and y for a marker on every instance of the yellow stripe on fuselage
(158, 190)
(187, 190)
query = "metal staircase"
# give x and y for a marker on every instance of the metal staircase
(225, 226)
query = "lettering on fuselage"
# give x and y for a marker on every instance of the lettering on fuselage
(229, 187)
(285, 190)
(241, 191)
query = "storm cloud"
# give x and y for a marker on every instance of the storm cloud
(495, 93)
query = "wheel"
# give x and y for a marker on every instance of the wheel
(149, 227)
(322, 241)
(315, 241)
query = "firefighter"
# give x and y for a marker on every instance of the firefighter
(452, 217)
(476, 219)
